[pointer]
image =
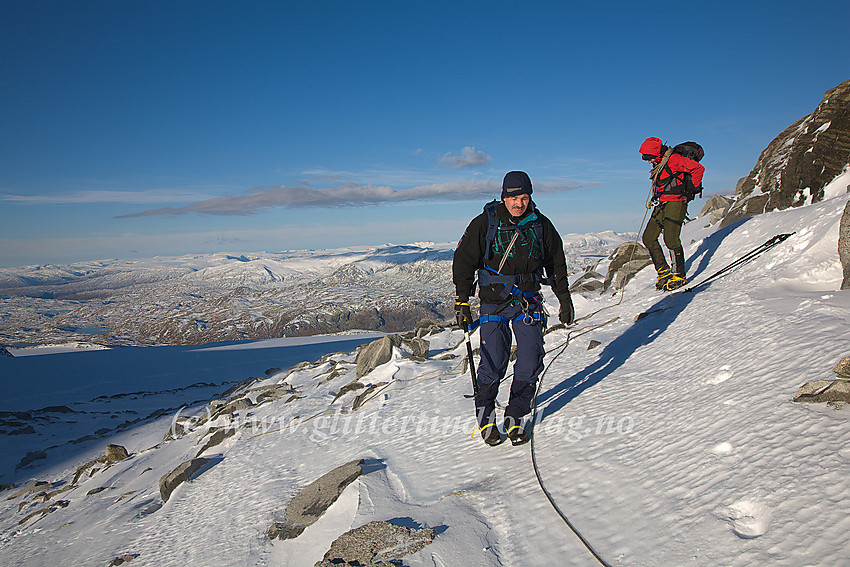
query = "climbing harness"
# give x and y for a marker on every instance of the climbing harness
(489, 276)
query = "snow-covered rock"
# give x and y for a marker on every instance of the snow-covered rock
(799, 163)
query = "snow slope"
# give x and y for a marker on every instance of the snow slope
(672, 443)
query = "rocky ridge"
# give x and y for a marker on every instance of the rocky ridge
(796, 166)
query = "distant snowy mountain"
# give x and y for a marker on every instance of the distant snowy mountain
(673, 442)
(219, 297)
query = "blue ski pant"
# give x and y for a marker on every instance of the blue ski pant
(495, 354)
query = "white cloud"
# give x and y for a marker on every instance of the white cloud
(346, 195)
(469, 157)
(126, 197)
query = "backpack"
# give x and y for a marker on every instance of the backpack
(690, 150)
(686, 188)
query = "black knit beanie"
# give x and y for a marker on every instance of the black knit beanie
(516, 183)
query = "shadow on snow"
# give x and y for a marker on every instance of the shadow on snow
(641, 333)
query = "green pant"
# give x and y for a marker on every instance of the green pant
(667, 218)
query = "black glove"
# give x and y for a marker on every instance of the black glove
(463, 315)
(567, 313)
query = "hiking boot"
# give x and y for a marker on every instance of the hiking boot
(674, 282)
(490, 434)
(518, 435)
(514, 429)
(664, 275)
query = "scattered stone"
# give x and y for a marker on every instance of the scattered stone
(22, 415)
(589, 282)
(219, 434)
(274, 392)
(375, 354)
(31, 487)
(115, 453)
(593, 344)
(627, 260)
(376, 544)
(824, 391)
(122, 559)
(350, 387)
(56, 409)
(308, 505)
(94, 491)
(419, 348)
(834, 392)
(45, 511)
(427, 327)
(842, 369)
(30, 458)
(28, 430)
(716, 208)
(179, 475)
(363, 396)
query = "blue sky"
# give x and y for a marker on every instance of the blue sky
(134, 129)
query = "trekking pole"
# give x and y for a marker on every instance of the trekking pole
(469, 357)
(732, 265)
(779, 238)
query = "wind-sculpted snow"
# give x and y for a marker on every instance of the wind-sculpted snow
(223, 297)
(673, 442)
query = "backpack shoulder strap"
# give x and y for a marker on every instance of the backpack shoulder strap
(537, 225)
(656, 171)
(492, 226)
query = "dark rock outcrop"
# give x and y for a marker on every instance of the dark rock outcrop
(309, 504)
(115, 453)
(844, 245)
(797, 164)
(178, 476)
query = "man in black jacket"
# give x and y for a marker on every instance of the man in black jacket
(509, 246)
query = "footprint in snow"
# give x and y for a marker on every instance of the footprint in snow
(723, 449)
(749, 519)
(724, 374)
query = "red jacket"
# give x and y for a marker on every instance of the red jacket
(677, 166)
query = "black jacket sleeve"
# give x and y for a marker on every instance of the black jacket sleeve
(468, 256)
(555, 263)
